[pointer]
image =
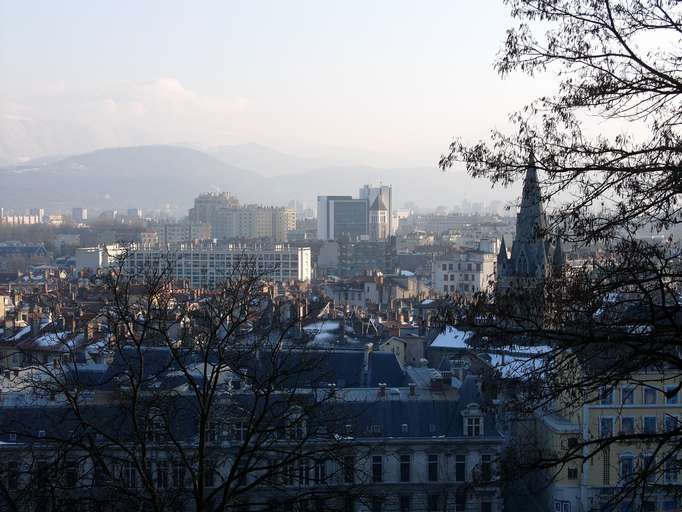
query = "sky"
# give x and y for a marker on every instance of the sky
(383, 82)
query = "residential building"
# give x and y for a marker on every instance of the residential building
(79, 215)
(463, 272)
(205, 265)
(176, 232)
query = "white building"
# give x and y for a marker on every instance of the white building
(464, 273)
(206, 265)
(92, 258)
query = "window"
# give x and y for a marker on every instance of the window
(433, 467)
(446, 277)
(12, 437)
(671, 470)
(649, 466)
(129, 475)
(445, 266)
(320, 471)
(432, 503)
(486, 468)
(627, 467)
(460, 468)
(209, 476)
(450, 267)
(404, 428)
(605, 427)
(572, 473)
(377, 469)
(606, 466)
(41, 434)
(671, 423)
(460, 503)
(650, 395)
(445, 288)
(627, 394)
(627, 425)
(12, 475)
(671, 394)
(649, 424)
(377, 504)
(349, 469)
(178, 475)
(405, 503)
(562, 506)
(212, 432)
(162, 474)
(606, 396)
(404, 468)
(474, 427)
(486, 506)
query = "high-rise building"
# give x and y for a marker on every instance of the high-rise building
(342, 216)
(228, 220)
(79, 215)
(38, 212)
(385, 195)
(207, 208)
(134, 214)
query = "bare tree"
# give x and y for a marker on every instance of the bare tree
(614, 320)
(208, 400)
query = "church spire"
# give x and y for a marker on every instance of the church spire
(530, 221)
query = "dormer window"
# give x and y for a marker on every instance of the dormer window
(473, 420)
(474, 427)
(404, 428)
(41, 434)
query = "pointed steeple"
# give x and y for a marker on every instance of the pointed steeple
(502, 253)
(559, 258)
(530, 221)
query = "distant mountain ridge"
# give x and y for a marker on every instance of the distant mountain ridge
(155, 177)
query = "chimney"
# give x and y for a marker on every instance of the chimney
(382, 390)
(413, 389)
(35, 326)
(332, 390)
(368, 348)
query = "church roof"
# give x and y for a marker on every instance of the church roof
(378, 204)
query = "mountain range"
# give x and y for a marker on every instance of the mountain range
(169, 177)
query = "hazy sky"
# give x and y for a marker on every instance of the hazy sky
(385, 82)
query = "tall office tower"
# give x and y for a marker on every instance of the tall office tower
(342, 216)
(207, 208)
(37, 212)
(385, 193)
(379, 220)
(79, 215)
(134, 213)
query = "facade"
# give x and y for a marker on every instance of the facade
(648, 403)
(402, 449)
(228, 220)
(359, 257)
(79, 215)
(101, 256)
(463, 273)
(384, 195)
(342, 216)
(180, 232)
(206, 265)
